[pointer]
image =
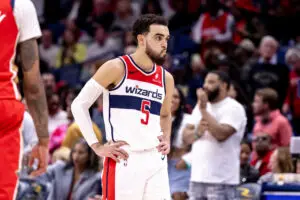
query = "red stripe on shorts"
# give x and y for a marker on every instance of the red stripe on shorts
(108, 179)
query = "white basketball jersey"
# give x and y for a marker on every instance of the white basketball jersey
(132, 108)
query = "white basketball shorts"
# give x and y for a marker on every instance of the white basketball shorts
(144, 176)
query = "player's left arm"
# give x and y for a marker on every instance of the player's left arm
(165, 112)
(29, 31)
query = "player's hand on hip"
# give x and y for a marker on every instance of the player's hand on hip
(111, 150)
(40, 153)
(164, 145)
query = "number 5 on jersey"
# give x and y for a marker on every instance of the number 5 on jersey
(145, 109)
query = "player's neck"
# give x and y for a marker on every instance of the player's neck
(142, 60)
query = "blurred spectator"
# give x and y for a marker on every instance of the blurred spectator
(125, 15)
(292, 101)
(129, 39)
(59, 133)
(77, 9)
(48, 50)
(251, 28)
(101, 45)
(243, 52)
(280, 162)
(215, 24)
(28, 133)
(248, 174)
(71, 52)
(68, 96)
(57, 116)
(166, 8)
(179, 179)
(63, 154)
(269, 120)
(97, 117)
(152, 7)
(130, 49)
(77, 179)
(100, 16)
(81, 35)
(197, 78)
(39, 7)
(236, 92)
(220, 126)
(255, 30)
(224, 64)
(182, 17)
(267, 72)
(263, 152)
(210, 57)
(49, 83)
(73, 134)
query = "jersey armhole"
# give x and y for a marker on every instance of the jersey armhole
(12, 4)
(125, 75)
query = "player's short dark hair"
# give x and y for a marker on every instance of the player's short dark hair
(269, 96)
(223, 76)
(142, 24)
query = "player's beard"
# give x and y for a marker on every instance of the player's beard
(157, 58)
(212, 95)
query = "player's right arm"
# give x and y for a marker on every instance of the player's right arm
(109, 74)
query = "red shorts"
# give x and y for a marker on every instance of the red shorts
(11, 117)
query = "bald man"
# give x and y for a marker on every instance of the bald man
(267, 71)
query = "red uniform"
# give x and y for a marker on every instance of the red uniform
(14, 29)
(210, 27)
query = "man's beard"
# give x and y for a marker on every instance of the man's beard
(212, 95)
(156, 58)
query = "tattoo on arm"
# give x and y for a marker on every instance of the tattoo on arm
(39, 113)
(29, 54)
(33, 87)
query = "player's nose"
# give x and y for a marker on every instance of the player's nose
(164, 45)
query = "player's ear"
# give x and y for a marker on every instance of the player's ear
(141, 39)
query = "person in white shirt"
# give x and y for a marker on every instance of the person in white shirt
(48, 50)
(215, 131)
(29, 133)
(57, 116)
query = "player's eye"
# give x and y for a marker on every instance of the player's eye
(158, 38)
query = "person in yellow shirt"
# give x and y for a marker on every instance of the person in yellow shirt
(74, 134)
(71, 51)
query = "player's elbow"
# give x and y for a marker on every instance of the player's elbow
(75, 106)
(33, 92)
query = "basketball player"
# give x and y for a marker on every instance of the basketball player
(137, 95)
(19, 26)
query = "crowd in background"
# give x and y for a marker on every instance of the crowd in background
(256, 42)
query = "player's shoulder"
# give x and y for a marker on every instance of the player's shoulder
(169, 77)
(114, 64)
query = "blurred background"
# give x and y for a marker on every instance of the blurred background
(257, 42)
